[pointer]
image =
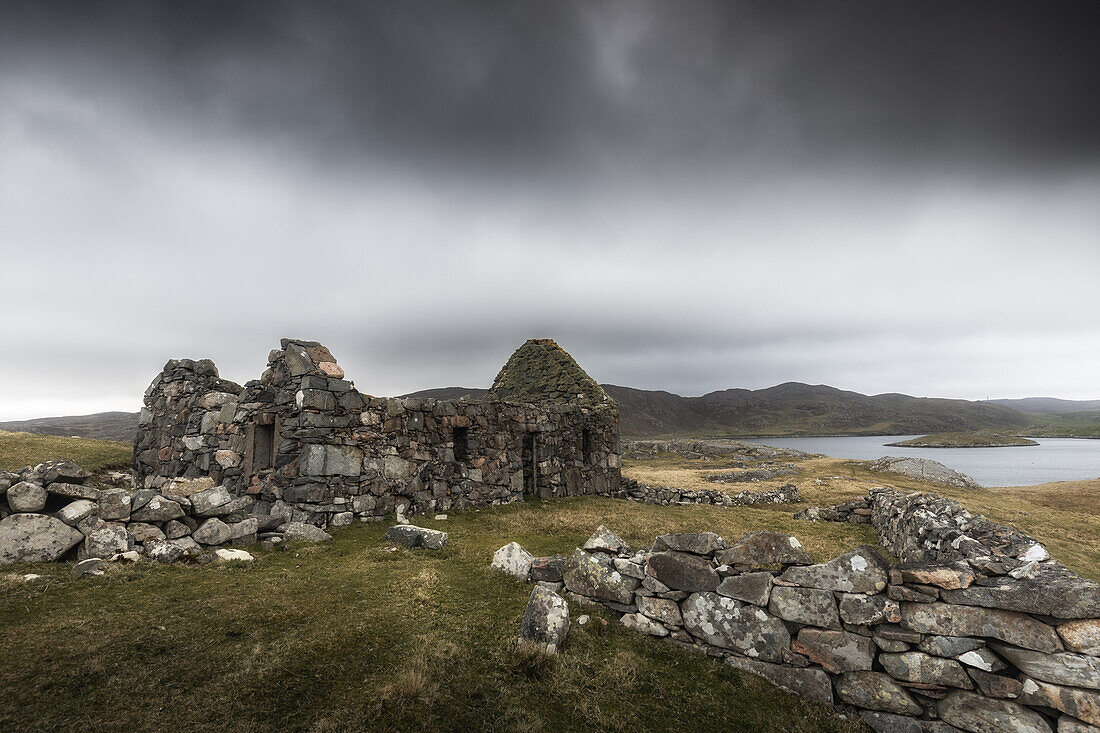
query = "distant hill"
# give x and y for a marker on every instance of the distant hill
(1049, 405)
(786, 409)
(802, 409)
(473, 394)
(790, 409)
(120, 426)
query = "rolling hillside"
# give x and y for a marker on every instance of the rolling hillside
(1049, 405)
(786, 409)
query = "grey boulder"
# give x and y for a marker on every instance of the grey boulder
(302, 532)
(26, 498)
(979, 714)
(412, 536)
(545, 620)
(35, 538)
(859, 571)
(766, 548)
(586, 576)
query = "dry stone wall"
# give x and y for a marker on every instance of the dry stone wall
(307, 446)
(668, 495)
(56, 511)
(917, 646)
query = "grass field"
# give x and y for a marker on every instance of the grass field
(355, 635)
(964, 440)
(27, 449)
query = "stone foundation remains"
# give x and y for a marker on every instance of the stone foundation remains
(959, 645)
(668, 495)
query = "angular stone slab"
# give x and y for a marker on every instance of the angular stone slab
(860, 571)
(513, 560)
(26, 498)
(158, 509)
(836, 651)
(1082, 636)
(302, 532)
(660, 609)
(754, 588)
(979, 714)
(114, 505)
(212, 532)
(66, 471)
(766, 548)
(75, 512)
(804, 606)
(812, 684)
(643, 624)
(954, 620)
(876, 691)
(35, 538)
(731, 624)
(548, 569)
(863, 610)
(74, 491)
(205, 503)
(1054, 592)
(604, 540)
(926, 669)
(995, 685)
(585, 576)
(698, 543)
(545, 620)
(682, 571)
(952, 576)
(1065, 668)
(949, 646)
(1081, 704)
(412, 536)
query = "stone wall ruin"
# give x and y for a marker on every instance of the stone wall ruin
(308, 446)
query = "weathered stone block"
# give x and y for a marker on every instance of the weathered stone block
(955, 620)
(980, 714)
(766, 548)
(836, 651)
(805, 606)
(860, 571)
(754, 588)
(876, 691)
(585, 576)
(698, 543)
(545, 620)
(26, 498)
(926, 669)
(682, 571)
(730, 624)
(35, 538)
(660, 609)
(513, 560)
(863, 610)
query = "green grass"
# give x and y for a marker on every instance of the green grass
(349, 636)
(1067, 425)
(964, 440)
(28, 449)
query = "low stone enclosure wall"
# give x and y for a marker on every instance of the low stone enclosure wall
(668, 495)
(957, 644)
(52, 511)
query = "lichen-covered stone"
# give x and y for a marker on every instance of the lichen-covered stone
(412, 536)
(682, 571)
(1081, 636)
(513, 560)
(35, 538)
(766, 548)
(812, 684)
(805, 606)
(864, 610)
(754, 588)
(1063, 668)
(26, 498)
(836, 651)
(979, 714)
(660, 609)
(732, 624)
(954, 620)
(545, 620)
(604, 540)
(643, 624)
(585, 576)
(860, 571)
(876, 691)
(926, 669)
(698, 543)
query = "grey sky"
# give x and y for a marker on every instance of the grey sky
(687, 196)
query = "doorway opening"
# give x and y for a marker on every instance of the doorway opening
(263, 447)
(529, 457)
(460, 438)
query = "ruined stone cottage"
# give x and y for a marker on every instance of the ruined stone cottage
(307, 445)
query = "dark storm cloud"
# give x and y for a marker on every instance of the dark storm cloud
(516, 84)
(688, 196)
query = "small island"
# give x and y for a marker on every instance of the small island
(964, 440)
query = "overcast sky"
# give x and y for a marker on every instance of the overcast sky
(686, 195)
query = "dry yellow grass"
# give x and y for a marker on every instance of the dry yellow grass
(1064, 516)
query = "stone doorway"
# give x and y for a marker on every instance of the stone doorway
(529, 457)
